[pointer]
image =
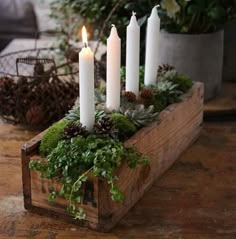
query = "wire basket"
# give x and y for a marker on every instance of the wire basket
(37, 86)
(21, 63)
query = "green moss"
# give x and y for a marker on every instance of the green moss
(184, 82)
(124, 125)
(51, 138)
(160, 103)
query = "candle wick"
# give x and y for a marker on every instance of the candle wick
(134, 13)
(85, 45)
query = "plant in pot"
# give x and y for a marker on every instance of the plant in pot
(192, 38)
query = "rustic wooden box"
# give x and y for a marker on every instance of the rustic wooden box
(163, 141)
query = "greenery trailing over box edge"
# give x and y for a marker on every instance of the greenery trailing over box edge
(71, 154)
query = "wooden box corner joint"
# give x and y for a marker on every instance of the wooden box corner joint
(163, 142)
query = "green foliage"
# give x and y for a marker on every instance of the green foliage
(125, 126)
(74, 155)
(67, 22)
(165, 93)
(73, 116)
(183, 82)
(139, 115)
(71, 15)
(51, 138)
(84, 156)
(196, 16)
(167, 73)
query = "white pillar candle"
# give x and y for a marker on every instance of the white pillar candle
(132, 56)
(86, 87)
(113, 70)
(152, 43)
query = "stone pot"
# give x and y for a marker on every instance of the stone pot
(229, 67)
(198, 55)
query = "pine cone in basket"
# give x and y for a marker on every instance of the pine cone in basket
(55, 97)
(7, 97)
(35, 115)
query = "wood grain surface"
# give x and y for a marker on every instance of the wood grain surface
(194, 199)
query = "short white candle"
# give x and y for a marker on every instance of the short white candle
(132, 56)
(113, 70)
(152, 44)
(86, 87)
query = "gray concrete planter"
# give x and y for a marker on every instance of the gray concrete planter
(199, 56)
(229, 68)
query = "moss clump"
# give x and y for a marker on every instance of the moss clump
(184, 82)
(51, 138)
(124, 125)
(160, 103)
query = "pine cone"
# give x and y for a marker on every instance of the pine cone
(164, 68)
(130, 96)
(7, 96)
(35, 115)
(105, 127)
(74, 130)
(38, 69)
(146, 93)
(6, 83)
(22, 81)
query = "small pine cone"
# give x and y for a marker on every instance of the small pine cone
(73, 130)
(6, 83)
(146, 94)
(38, 69)
(130, 96)
(35, 115)
(164, 68)
(22, 81)
(105, 127)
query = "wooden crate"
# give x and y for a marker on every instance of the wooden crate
(163, 141)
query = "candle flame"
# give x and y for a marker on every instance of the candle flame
(84, 36)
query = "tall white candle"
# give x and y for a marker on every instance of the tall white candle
(132, 56)
(113, 70)
(152, 43)
(86, 81)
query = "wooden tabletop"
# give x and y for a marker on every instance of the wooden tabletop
(194, 199)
